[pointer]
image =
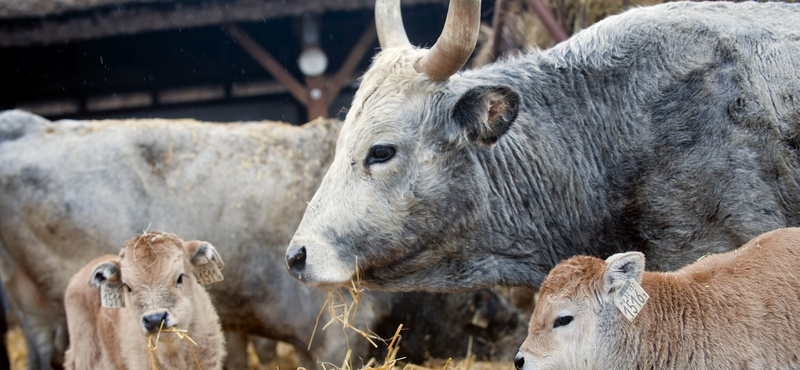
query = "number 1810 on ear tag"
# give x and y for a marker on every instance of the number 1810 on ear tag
(630, 299)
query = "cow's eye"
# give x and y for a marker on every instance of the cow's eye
(180, 280)
(562, 321)
(379, 154)
(127, 287)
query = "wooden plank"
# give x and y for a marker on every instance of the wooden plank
(548, 20)
(52, 107)
(498, 22)
(35, 22)
(269, 63)
(119, 101)
(191, 94)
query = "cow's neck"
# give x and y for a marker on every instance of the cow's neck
(554, 181)
(664, 320)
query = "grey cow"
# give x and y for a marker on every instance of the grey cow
(671, 130)
(74, 190)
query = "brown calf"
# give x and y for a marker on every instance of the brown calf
(735, 310)
(155, 273)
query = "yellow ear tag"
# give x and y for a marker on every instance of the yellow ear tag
(630, 299)
(111, 296)
(207, 273)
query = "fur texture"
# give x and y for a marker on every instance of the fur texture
(735, 310)
(157, 271)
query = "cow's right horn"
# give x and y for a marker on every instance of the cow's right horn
(389, 23)
(451, 50)
(457, 41)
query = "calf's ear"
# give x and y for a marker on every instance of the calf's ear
(621, 267)
(201, 252)
(106, 272)
(485, 113)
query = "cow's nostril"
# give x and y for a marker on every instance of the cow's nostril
(519, 362)
(152, 322)
(296, 262)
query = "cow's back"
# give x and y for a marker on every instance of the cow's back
(89, 185)
(711, 96)
(731, 310)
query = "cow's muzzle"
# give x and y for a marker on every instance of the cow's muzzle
(317, 264)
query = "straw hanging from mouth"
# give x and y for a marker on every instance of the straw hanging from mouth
(182, 334)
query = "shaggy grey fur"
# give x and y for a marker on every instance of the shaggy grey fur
(671, 130)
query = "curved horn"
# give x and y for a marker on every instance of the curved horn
(458, 39)
(389, 23)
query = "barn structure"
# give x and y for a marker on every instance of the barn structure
(217, 60)
(220, 60)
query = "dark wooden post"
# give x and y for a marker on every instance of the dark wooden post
(317, 93)
(267, 62)
(317, 98)
(548, 20)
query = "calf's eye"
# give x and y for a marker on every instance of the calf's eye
(562, 321)
(180, 279)
(379, 154)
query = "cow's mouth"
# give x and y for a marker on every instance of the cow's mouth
(329, 286)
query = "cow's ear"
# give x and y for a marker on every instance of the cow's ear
(485, 113)
(106, 272)
(621, 267)
(201, 252)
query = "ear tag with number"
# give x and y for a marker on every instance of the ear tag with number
(207, 273)
(111, 296)
(630, 299)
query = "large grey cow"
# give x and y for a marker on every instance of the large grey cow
(73, 190)
(671, 130)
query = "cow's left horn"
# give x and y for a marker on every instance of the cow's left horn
(389, 23)
(457, 41)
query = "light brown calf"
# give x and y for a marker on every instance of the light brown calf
(736, 310)
(156, 273)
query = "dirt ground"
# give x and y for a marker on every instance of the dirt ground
(17, 355)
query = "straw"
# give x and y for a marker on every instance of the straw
(153, 347)
(344, 313)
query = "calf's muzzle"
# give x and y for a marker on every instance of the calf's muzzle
(519, 362)
(151, 322)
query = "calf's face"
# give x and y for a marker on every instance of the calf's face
(156, 271)
(568, 328)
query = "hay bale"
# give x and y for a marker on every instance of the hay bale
(17, 349)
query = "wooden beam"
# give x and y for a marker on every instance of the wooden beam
(351, 62)
(317, 100)
(498, 22)
(52, 107)
(269, 63)
(548, 20)
(191, 94)
(35, 22)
